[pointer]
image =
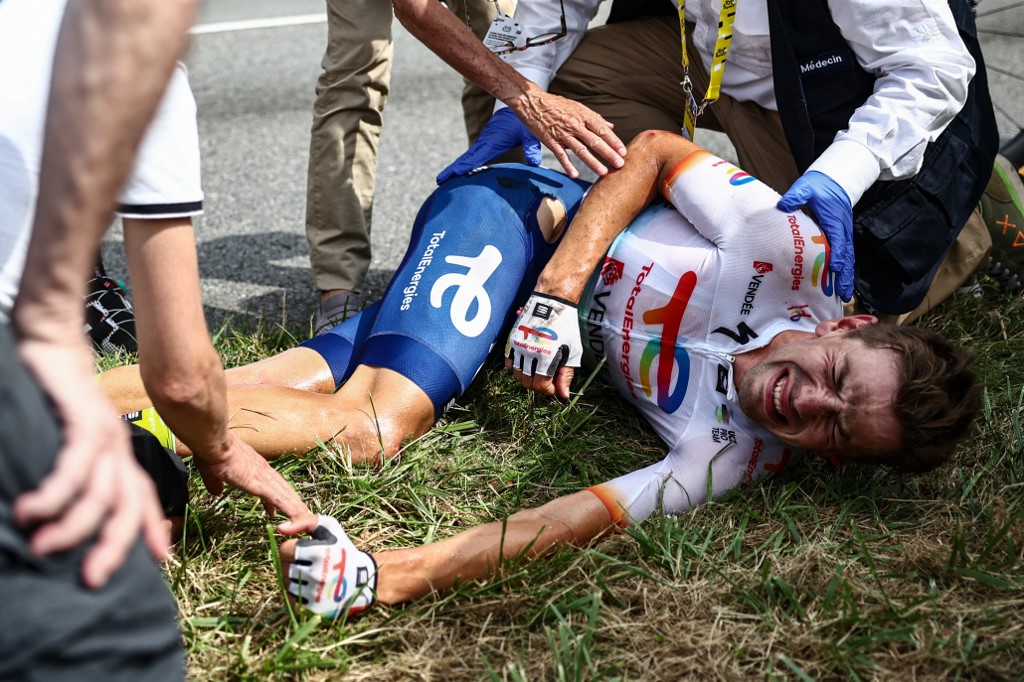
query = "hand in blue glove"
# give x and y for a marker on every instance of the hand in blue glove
(831, 205)
(502, 133)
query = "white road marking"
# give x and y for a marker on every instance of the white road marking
(248, 24)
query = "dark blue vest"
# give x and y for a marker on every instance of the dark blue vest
(902, 229)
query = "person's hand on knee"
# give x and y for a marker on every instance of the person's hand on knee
(96, 488)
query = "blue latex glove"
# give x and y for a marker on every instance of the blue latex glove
(831, 205)
(502, 133)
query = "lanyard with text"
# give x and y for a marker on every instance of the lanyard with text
(725, 19)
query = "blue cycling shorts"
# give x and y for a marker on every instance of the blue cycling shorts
(477, 246)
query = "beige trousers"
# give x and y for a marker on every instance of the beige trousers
(347, 119)
(630, 73)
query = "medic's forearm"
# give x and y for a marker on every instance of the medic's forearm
(451, 40)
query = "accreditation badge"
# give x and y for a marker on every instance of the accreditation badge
(503, 34)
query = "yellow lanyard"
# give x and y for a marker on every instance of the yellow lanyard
(725, 18)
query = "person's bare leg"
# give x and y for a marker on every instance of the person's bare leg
(299, 368)
(287, 404)
(406, 574)
(371, 415)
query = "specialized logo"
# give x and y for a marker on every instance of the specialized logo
(798, 312)
(664, 348)
(469, 290)
(742, 335)
(722, 414)
(611, 271)
(763, 268)
(820, 274)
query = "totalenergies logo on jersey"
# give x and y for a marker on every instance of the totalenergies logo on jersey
(798, 252)
(737, 177)
(820, 274)
(776, 467)
(669, 355)
(755, 455)
(770, 467)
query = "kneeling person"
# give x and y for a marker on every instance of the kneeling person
(718, 320)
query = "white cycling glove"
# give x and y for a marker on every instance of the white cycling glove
(330, 576)
(545, 336)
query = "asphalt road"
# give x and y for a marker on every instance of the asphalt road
(255, 87)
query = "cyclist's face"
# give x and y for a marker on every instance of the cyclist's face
(830, 393)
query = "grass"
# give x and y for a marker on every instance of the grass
(812, 575)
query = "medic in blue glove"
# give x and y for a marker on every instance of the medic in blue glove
(831, 206)
(534, 118)
(502, 133)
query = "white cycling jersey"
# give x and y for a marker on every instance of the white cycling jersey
(679, 294)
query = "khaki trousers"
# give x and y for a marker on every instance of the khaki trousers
(630, 73)
(347, 119)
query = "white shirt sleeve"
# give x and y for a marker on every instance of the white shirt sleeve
(539, 17)
(923, 70)
(166, 178)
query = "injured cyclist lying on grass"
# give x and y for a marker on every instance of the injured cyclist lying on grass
(713, 310)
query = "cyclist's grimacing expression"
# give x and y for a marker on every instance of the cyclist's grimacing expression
(831, 394)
